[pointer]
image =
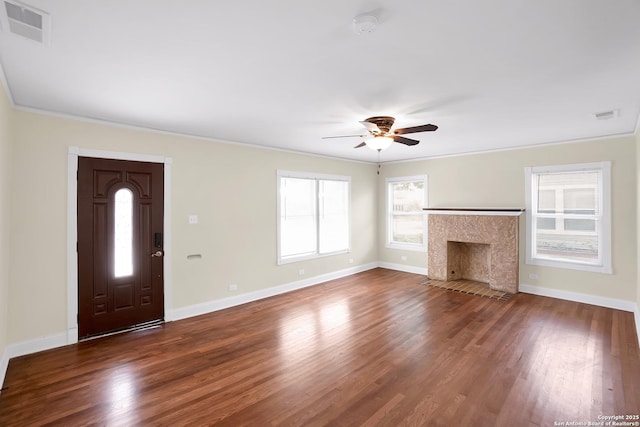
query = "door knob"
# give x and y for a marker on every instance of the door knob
(157, 254)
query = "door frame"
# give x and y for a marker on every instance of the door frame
(72, 228)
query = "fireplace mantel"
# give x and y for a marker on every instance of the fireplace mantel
(475, 211)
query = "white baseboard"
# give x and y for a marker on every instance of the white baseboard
(618, 304)
(4, 364)
(402, 267)
(36, 345)
(221, 304)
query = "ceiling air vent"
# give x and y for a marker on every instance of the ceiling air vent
(605, 115)
(25, 21)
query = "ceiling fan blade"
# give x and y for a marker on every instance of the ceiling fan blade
(415, 129)
(371, 127)
(362, 144)
(405, 141)
(345, 136)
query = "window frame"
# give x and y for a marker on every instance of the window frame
(317, 177)
(603, 227)
(421, 247)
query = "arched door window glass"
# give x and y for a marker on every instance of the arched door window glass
(123, 233)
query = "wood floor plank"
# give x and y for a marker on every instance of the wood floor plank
(375, 348)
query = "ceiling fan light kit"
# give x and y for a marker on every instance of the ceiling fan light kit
(379, 143)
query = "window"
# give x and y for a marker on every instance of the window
(406, 220)
(313, 215)
(569, 216)
(123, 233)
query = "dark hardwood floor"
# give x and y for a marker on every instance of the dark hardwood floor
(375, 348)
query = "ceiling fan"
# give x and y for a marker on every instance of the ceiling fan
(380, 135)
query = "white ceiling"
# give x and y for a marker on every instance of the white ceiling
(490, 73)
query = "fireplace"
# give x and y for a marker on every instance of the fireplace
(475, 244)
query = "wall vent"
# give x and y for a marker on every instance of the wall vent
(25, 21)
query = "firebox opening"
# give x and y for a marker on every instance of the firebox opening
(470, 261)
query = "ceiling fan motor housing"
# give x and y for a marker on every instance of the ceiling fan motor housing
(384, 123)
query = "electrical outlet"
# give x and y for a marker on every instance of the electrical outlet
(233, 287)
(301, 272)
(350, 260)
(533, 276)
(403, 257)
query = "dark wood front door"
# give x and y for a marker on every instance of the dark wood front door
(120, 238)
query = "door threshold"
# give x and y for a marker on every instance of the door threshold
(139, 327)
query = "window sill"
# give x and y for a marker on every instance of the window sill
(603, 269)
(407, 247)
(310, 256)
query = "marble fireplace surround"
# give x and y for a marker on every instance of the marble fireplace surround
(476, 244)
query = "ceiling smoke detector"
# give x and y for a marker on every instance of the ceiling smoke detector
(364, 24)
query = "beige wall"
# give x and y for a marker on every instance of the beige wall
(232, 188)
(5, 176)
(497, 180)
